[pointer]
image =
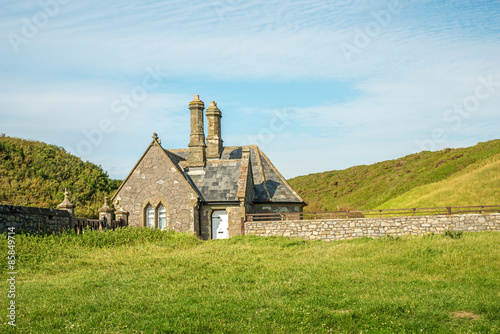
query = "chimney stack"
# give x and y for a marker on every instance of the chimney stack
(197, 139)
(214, 140)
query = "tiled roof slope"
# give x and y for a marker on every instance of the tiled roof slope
(219, 182)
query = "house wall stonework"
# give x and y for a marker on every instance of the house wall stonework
(340, 229)
(235, 215)
(154, 181)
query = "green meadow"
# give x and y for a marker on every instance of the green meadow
(149, 281)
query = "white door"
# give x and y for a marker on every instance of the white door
(220, 226)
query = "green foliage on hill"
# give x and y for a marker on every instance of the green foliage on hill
(35, 174)
(369, 187)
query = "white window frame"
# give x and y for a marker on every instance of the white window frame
(162, 217)
(150, 216)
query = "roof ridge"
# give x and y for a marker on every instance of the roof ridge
(243, 177)
(261, 171)
(177, 149)
(215, 161)
(176, 155)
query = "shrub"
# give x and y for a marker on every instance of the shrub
(453, 234)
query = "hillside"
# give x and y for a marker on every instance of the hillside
(35, 174)
(370, 187)
(479, 183)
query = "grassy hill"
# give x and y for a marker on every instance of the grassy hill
(479, 183)
(35, 174)
(448, 175)
(148, 281)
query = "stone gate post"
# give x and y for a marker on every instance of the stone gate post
(106, 213)
(122, 214)
(66, 205)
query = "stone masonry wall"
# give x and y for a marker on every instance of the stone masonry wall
(156, 181)
(341, 229)
(33, 220)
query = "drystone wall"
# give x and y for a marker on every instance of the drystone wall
(340, 229)
(34, 220)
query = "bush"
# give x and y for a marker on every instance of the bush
(453, 234)
(36, 174)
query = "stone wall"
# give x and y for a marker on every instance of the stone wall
(234, 219)
(34, 220)
(340, 229)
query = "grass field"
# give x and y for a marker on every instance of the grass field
(147, 281)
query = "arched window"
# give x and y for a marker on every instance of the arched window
(162, 218)
(150, 217)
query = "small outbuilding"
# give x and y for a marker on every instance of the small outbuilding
(206, 188)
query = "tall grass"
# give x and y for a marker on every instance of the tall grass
(141, 280)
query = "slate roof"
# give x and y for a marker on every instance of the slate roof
(218, 181)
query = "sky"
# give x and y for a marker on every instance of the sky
(318, 85)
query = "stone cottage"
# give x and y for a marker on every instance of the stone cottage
(206, 188)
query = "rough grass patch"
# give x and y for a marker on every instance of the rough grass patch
(468, 315)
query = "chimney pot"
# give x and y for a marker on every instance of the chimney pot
(214, 140)
(197, 138)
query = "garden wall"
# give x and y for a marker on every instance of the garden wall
(340, 229)
(34, 220)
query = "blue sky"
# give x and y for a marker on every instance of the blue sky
(319, 85)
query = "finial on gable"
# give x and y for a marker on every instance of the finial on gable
(156, 138)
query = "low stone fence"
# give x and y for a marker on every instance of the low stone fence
(34, 220)
(341, 229)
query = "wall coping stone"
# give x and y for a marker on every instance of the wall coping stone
(15, 210)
